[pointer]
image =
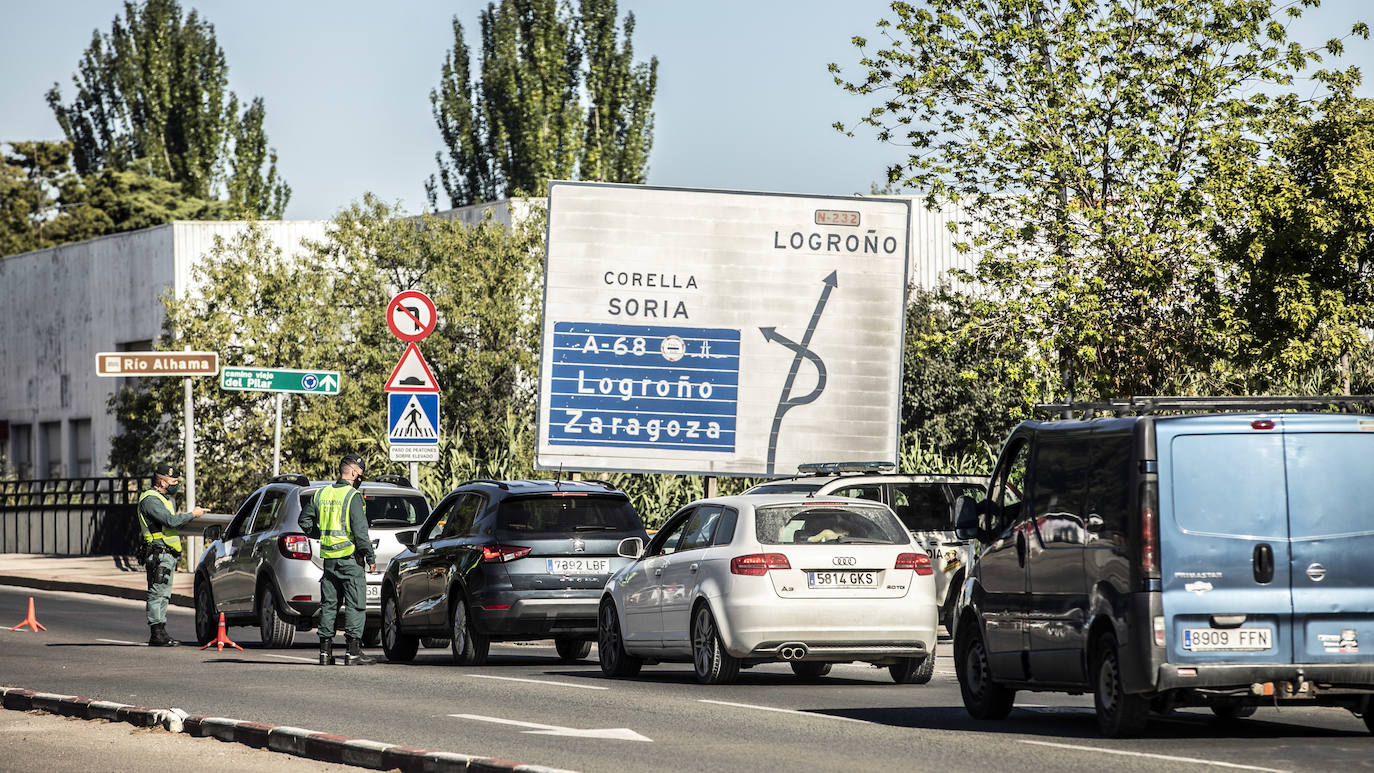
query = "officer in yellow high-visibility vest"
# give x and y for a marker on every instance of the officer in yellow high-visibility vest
(158, 522)
(335, 515)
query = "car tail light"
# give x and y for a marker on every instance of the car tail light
(1262, 424)
(1149, 530)
(504, 553)
(295, 546)
(496, 607)
(916, 562)
(756, 564)
(568, 494)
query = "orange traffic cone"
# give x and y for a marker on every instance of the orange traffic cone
(222, 638)
(30, 621)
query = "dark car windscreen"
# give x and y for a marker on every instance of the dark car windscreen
(800, 524)
(395, 509)
(567, 513)
(922, 506)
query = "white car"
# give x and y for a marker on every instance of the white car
(731, 582)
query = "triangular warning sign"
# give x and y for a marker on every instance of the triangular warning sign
(411, 374)
(413, 423)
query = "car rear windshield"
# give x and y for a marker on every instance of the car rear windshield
(784, 488)
(395, 509)
(817, 522)
(567, 513)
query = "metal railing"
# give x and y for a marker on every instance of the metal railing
(68, 516)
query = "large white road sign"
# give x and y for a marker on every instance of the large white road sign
(720, 332)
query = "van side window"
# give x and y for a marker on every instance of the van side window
(1061, 475)
(1109, 486)
(1010, 486)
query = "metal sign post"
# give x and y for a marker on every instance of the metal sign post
(190, 426)
(276, 440)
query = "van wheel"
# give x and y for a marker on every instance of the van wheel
(398, 647)
(983, 698)
(1229, 711)
(610, 645)
(712, 663)
(1118, 713)
(572, 650)
(469, 647)
(274, 631)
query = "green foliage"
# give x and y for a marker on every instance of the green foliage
(1081, 137)
(152, 96)
(522, 121)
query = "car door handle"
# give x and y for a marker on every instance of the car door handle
(693, 567)
(658, 570)
(1263, 563)
(1020, 549)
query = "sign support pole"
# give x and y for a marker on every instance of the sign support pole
(414, 474)
(190, 447)
(276, 440)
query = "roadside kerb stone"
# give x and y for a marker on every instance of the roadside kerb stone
(16, 699)
(106, 710)
(254, 734)
(364, 753)
(290, 740)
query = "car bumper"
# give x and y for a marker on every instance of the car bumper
(1241, 678)
(527, 615)
(831, 629)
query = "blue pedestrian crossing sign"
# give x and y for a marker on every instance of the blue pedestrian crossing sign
(413, 418)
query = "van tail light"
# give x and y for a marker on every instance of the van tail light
(502, 553)
(1159, 630)
(1149, 530)
(295, 546)
(916, 562)
(758, 564)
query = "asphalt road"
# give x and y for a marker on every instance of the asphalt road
(527, 706)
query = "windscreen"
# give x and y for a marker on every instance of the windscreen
(784, 488)
(799, 524)
(568, 513)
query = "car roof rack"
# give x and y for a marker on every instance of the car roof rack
(290, 477)
(1155, 404)
(395, 480)
(497, 483)
(841, 468)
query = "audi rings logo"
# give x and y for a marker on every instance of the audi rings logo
(844, 560)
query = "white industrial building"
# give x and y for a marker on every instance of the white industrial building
(64, 304)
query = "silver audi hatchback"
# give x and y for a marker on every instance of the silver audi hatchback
(262, 570)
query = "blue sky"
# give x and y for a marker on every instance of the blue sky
(744, 98)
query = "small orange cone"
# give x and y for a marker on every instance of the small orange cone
(222, 638)
(30, 621)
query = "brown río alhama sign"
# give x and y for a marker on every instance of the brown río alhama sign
(139, 364)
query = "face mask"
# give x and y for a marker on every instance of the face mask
(358, 481)
(173, 489)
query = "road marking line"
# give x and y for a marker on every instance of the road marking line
(537, 728)
(291, 657)
(784, 711)
(120, 641)
(539, 681)
(1166, 757)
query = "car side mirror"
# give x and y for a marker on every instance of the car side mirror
(630, 547)
(966, 518)
(406, 538)
(212, 533)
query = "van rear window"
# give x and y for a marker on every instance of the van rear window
(1230, 485)
(546, 514)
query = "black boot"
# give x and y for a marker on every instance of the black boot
(159, 638)
(326, 652)
(355, 656)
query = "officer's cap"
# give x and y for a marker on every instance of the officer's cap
(168, 470)
(353, 459)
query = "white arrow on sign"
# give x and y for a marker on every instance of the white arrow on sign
(614, 734)
(330, 383)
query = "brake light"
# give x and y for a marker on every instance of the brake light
(1149, 530)
(916, 562)
(1262, 424)
(295, 546)
(568, 494)
(758, 564)
(504, 553)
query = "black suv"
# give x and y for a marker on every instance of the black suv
(508, 560)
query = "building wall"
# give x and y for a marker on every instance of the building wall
(64, 304)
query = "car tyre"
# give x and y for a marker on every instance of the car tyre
(913, 670)
(372, 636)
(274, 630)
(1119, 714)
(434, 643)
(713, 665)
(1226, 712)
(983, 698)
(809, 670)
(572, 650)
(610, 645)
(469, 647)
(398, 647)
(207, 621)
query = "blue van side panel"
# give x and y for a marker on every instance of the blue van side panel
(1330, 466)
(1222, 494)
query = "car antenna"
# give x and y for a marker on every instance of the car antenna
(558, 479)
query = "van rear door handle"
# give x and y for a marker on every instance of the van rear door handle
(1263, 563)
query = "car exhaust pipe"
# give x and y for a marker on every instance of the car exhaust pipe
(792, 651)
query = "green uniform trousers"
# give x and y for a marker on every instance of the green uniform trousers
(343, 579)
(160, 568)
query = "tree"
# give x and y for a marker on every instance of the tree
(1081, 136)
(523, 121)
(42, 199)
(152, 97)
(326, 309)
(1300, 234)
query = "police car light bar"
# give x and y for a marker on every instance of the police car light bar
(839, 468)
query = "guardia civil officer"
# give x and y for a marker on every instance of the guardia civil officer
(161, 547)
(336, 516)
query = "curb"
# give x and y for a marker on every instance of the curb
(95, 588)
(311, 744)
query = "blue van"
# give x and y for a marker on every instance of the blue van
(1215, 559)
